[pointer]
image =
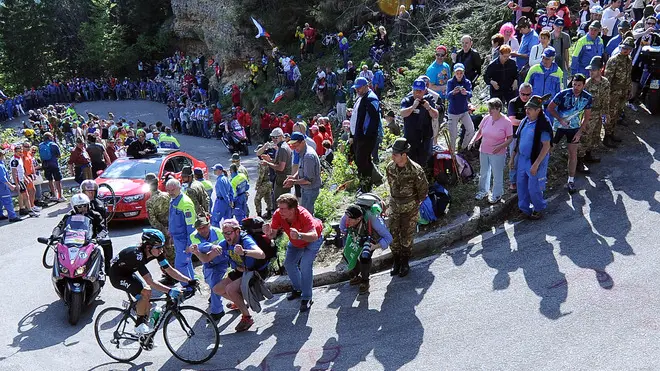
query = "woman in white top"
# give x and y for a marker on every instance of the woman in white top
(536, 54)
(509, 33)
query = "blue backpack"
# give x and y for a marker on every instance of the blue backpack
(426, 212)
(45, 151)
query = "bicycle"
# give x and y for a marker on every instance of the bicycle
(113, 329)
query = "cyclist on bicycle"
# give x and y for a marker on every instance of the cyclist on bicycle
(133, 260)
(91, 189)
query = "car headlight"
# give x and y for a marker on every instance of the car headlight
(63, 269)
(80, 270)
(133, 198)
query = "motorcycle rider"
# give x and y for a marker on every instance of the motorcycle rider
(91, 189)
(80, 205)
(129, 273)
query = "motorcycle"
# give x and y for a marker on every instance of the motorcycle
(651, 78)
(235, 139)
(77, 267)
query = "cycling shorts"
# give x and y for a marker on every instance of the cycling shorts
(133, 284)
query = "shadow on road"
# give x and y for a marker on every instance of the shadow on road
(47, 325)
(130, 366)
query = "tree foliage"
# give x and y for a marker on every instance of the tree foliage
(48, 39)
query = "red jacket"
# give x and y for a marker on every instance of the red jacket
(217, 116)
(310, 35)
(287, 125)
(265, 121)
(240, 117)
(274, 122)
(318, 139)
(247, 120)
(236, 96)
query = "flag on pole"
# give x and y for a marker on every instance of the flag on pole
(278, 96)
(260, 29)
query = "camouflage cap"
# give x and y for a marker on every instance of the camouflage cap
(537, 101)
(629, 43)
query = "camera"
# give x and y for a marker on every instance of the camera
(366, 248)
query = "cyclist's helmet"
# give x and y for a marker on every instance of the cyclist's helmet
(153, 238)
(78, 201)
(89, 185)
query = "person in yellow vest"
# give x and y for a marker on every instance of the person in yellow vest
(208, 186)
(155, 138)
(167, 140)
(240, 184)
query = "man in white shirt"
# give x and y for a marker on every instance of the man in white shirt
(610, 15)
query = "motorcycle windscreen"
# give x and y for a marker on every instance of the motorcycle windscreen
(77, 231)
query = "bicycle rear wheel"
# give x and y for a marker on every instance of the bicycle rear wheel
(191, 335)
(114, 333)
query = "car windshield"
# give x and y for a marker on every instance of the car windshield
(132, 169)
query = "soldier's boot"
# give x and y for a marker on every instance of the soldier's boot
(405, 268)
(590, 158)
(267, 215)
(396, 266)
(581, 167)
(608, 142)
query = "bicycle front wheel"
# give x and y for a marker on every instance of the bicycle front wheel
(114, 330)
(191, 335)
(49, 257)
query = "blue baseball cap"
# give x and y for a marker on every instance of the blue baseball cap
(459, 67)
(549, 52)
(360, 82)
(559, 22)
(218, 167)
(296, 137)
(419, 84)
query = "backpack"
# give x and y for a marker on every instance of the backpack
(254, 228)
(370, 202)
(45, 151)
(440, 199)
(426, 212)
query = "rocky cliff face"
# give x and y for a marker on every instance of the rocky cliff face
(207, 26)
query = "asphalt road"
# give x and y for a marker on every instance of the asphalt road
(572, 291)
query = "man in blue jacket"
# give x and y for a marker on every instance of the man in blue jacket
(5, 193)
(459, 92)
(181, 226)
(365, 121)
(546, 77)
(587, 47)
(529, 39)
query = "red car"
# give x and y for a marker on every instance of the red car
(126, 178)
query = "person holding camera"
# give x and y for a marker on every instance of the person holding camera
(370, 231)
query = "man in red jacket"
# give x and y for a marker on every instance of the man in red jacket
(286, 124)
(247, 124)
(236, 95)
(265, 125)
(217, 118)
(310, 39)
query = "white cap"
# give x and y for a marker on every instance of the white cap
(277, 132)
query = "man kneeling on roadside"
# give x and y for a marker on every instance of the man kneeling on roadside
(243, 253)
(366, 228)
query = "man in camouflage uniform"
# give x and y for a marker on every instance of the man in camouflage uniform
(158, 210)
(236, 160)
(599, 88)
(618, 70)
(408, 188)
(195, 190)
(264, 189)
